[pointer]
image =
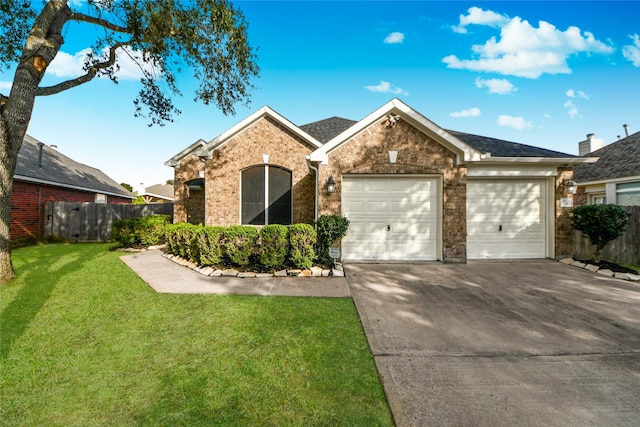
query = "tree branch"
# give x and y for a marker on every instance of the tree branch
(81, 17)
(93, 71)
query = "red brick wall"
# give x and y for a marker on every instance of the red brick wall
(27, 206)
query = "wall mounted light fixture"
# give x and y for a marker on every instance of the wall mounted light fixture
(331, 185)
(571, 185)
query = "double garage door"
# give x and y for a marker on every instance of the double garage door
(396, 218)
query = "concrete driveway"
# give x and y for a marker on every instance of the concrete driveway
(530, 343)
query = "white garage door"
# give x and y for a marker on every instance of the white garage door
(391, 218)
(506, 219)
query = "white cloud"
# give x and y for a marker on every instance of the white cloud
(576, 94)
(394, 38)
(632, 52)
(517, 123)
(471, 112)
(525, 51)
(499, 86)
(386, 87)
(572, 109)
(479, 17)
(69, 66)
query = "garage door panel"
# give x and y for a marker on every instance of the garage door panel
(397, 219)
(506, 219)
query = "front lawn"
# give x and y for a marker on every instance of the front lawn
(84, 342)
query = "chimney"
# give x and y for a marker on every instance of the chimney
(626, 129)
(141, 189)
(40, 145)
(590, 145)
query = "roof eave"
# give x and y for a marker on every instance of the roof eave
(70, 186)
(175, 160)
(548, 160)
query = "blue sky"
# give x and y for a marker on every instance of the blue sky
(538, 73)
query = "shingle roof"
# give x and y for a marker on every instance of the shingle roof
(59, 170)
(160, 190)
(501, 148)
(325, 130)
(617, 160)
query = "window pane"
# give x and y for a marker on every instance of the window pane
(279, 196)
(628, 194)
(253, 196)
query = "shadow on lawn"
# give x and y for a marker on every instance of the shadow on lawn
(39, 277)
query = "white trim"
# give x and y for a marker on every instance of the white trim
(175, 160)
(265, 111)
(541, 160)
(463, 151)
(73, 187)
(478, 170)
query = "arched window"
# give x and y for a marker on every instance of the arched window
(266, 195)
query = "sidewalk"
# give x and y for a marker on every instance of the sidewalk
(165, 276)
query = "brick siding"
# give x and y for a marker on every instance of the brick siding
(367, 153)
(27, 206)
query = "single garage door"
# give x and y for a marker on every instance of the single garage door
(506, 219)
(391, 218)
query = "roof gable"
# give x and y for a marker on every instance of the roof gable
(204, 150)
(617, 160)
(59, 170)
(395, 107)
(325, 130)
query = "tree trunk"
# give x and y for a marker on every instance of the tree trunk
(41, 47)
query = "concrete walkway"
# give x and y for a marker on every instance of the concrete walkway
(165, 276)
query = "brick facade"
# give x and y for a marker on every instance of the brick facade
(27, 206)
(367, 153)
(222, 174)
(563, 230)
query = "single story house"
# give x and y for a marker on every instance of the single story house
(615, 178)
(157, 193)
(411, 190)
(43, 174)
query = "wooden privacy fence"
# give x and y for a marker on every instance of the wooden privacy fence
(93, 222)
(625, 249)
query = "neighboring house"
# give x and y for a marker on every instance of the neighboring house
(43, 175)
(157, 193)
(615, 177)
(410, 189)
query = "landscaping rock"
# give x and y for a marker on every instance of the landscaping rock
(326, 273)
(337, 273)
(206, 271)
(316, 271)
(578, 264)
(634, 277)
(246, 274)
(624, 276)
(293, 272)
(216, 273)
(592, 267)
(567, 260)
(305, 273)
(230, 272)
(281, 273)
(606, 272)
(263, 275)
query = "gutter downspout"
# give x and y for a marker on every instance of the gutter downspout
(315, 198)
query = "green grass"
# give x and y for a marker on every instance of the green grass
(84, 342)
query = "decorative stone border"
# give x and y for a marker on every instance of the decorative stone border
(603, 271)
(337, 271)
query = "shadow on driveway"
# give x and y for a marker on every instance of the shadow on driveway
(502, 343)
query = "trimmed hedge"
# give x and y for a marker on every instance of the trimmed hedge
(240, 243)
(274, 245)
(330, 229)
(140, 231)
(302, 238)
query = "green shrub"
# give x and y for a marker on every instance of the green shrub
(330, 229)
(302, 238)
(209, 241)
(140, 231)
(600, 223)
(239, 243)
(179, 239)
(274, 245)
